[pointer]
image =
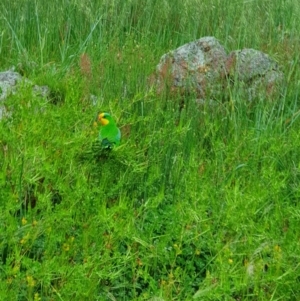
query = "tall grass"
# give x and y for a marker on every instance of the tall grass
(198, 202)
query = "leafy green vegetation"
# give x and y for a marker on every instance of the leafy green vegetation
(198, 202)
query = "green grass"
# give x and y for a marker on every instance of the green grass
(197, 203)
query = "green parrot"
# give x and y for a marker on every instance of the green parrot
(110, 134)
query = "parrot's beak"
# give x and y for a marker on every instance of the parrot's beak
(100, 118)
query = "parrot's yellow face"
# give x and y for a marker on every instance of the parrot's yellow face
(102, 118)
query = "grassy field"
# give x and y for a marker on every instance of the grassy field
(199, 203)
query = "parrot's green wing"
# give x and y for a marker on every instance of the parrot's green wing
(110, 136)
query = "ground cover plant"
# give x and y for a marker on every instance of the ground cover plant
(196, 203)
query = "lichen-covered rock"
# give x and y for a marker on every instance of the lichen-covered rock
(197, 67)
(9, 84)
(43, 91)
(203, 68)
(254, 74)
